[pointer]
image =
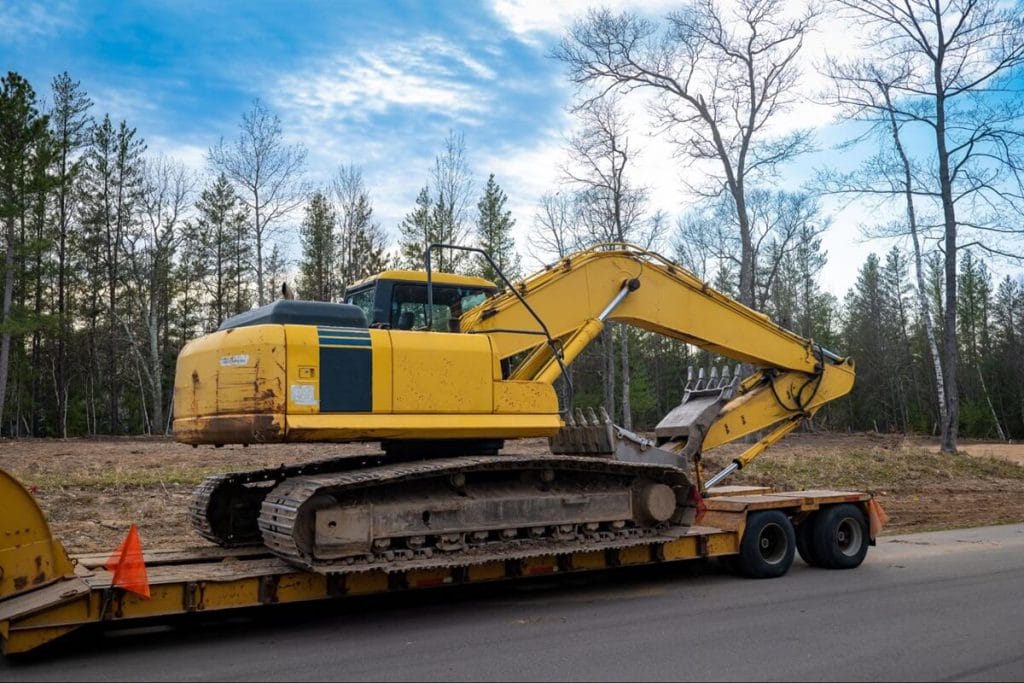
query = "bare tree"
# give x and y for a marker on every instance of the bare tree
(555, 228)
(719, 79)
(269, 175)
(361, 240)
(609, 207)
(453, 195)
(556, 231)
(779, 222)
(167, 192)
(864, 91)
(954, 58)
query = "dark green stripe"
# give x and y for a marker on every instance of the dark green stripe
(346, 380)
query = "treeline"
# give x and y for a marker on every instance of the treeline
(113, 258)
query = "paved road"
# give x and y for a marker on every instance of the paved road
(941, 606)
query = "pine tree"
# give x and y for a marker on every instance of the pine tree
(416, 232)
(1008, 354)
(494, 235)
(275, 273)
(23, 138)
(269, 174)
(361, 242)
(112, 186)
(224, 251)
(369, 252)
(864, 340)
(69, 121)
(316, 269)
(440, 213)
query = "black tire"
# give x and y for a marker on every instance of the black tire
(840, 536)
(805, 540)
(768, 545)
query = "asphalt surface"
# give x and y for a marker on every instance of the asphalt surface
(944, 606)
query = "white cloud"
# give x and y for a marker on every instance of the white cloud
(27, 21)
(124, 103)
(428, 76)
(527, 18)
(191, 155)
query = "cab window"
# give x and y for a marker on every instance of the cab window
(409, 306)
(364, 300)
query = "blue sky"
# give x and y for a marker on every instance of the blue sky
(378, 84)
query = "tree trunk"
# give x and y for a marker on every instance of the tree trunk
(156, 371)
(5, 339)
(62, 383)
(922, 292)
(746, 250)
(627, 410)
(992, 408)
(259, 250)
(950, 426)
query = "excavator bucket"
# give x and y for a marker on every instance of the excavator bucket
(703, 398)
(29, 554)
(593, 436)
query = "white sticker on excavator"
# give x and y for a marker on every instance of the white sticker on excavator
(234, 361)
(303, 394)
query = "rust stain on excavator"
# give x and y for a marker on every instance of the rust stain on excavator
(238, 429)
(41, 573)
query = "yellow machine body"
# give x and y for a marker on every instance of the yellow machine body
(282, 382)
(278, 383)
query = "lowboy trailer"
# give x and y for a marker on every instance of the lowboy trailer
(46, 593)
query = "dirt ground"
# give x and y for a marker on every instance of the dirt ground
(92, 490)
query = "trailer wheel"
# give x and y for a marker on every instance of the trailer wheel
(768, 545)
(805, 540)
(840, 536)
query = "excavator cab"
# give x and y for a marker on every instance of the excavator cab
(397, 299)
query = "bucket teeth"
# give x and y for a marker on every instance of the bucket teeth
(593, 417)
(605, 418)
(580, 419)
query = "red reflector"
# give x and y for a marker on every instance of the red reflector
(542, 569)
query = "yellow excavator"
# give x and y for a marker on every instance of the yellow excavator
(443, 369)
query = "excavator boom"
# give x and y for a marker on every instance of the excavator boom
(622, 283)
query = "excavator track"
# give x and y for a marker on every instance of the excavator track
(225, 507)
(458, 511)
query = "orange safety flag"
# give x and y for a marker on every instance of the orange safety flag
(877, 518)
(128, 566)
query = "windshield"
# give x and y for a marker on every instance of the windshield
(409, 306)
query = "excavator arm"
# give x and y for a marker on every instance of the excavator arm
(575, 298)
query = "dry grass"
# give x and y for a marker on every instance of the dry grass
(93, 489)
